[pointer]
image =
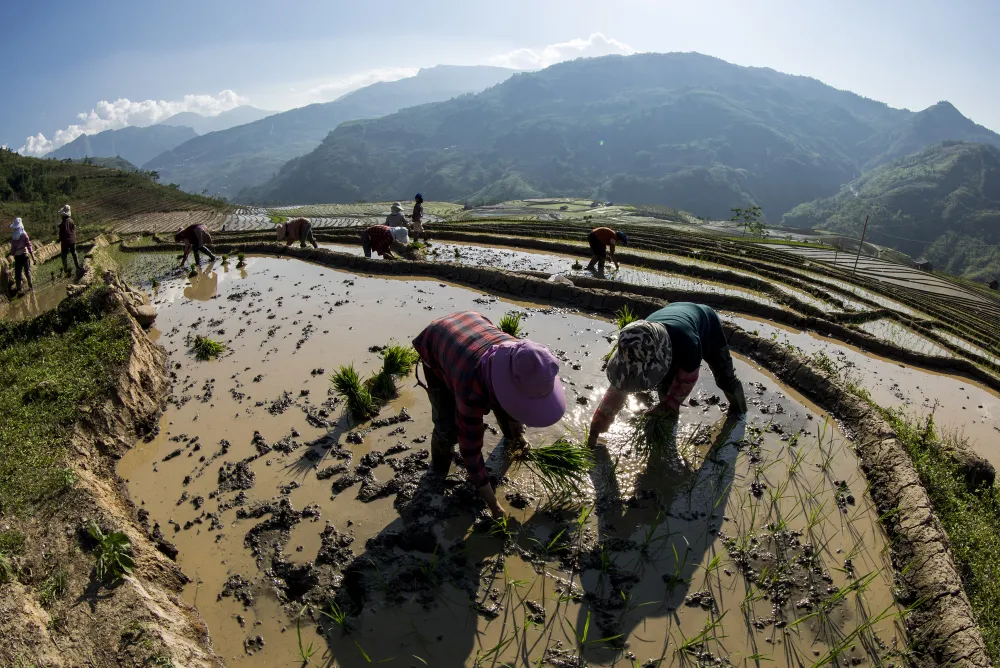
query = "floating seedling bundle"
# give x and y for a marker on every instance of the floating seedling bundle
(510, 323)
(365, 398)
(205, 348)
(561, 466)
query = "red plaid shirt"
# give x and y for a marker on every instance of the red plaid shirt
(452, 348)
(380, 237)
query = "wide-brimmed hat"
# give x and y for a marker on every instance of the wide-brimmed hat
(65, 210)
(396, 208)
(525, 380)
(642, 357)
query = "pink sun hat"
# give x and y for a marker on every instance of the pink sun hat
(525, 380)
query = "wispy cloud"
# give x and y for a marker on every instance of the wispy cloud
(123, 112)
(327, 90)
(597, 44)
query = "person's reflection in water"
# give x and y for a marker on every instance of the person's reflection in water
(203, 285)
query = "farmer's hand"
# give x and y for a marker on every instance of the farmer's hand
(490, 497)
(592, 439)
(664, 410)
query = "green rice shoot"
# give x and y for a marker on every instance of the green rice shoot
(624, 317)
(205, 348)
(561, 466)
(360, 403)
(382, 386)
(510, 323)
(652, 434)
(398, 360)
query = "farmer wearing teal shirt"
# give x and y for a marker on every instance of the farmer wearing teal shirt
(664, 352)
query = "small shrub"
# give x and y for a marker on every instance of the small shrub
(561, 466)
(113, 553)
(510, 323)
(206, 349)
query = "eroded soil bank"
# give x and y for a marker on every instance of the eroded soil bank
(711, 553)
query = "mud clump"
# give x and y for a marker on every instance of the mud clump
(330, 471)
(282, 518)
(236, 476)
(239, 588)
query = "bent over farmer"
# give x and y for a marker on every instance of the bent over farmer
(297, 229)
(601, 240)
(384, 240)
(195, 237)
(664, 352)
(67, 238)
(473, 368)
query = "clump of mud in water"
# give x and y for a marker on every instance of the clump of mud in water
(236, 476)
(239, 588)
(282, 518)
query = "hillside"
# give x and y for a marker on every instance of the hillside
(35, 189)
(681, 129)
(109, 163)
(227, 161)
(943, 202)
(137, 145)
(227, 119)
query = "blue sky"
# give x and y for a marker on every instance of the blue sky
(65, 58)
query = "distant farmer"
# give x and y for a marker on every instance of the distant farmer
(195, 237)
(664, 352)
(383, 240)
(396, 217)
(418, 215)
(20, 248)
(297, 229)
(600, 241)
(473, 368)
(67, 238)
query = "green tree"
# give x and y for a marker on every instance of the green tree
(751, 219)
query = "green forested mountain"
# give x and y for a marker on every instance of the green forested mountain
(225, 162)
(680, 129)
(943, 203)
(135, 144)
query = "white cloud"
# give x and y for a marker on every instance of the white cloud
(530, 59)
(325, 91)
(123, 112)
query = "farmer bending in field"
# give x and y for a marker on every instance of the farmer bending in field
(194, 237)
(600, 240)
(665, 351)
(383, 240)
(473, 368)
(297, 229)
(20, 248)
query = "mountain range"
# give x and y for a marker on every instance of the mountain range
(681, 129)
(223, 121)
(227, 161)
(135, 144)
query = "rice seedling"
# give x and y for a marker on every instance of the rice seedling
(347, 383)
(205, 348)
(577, 266)
(241, 260)
(336, 615)
(154, 282)
(560, 466)
(113, 553)
(652, 433)
(382, 386)
(305, 653)
(510, 323)
(625, 316)
(399, 360)
(225, 260)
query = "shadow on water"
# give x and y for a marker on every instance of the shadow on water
(431, 585)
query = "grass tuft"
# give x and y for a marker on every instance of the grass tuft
(205, 348)
(510, 323)
(561, 466)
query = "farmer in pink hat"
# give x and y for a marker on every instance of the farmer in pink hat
(473, 368)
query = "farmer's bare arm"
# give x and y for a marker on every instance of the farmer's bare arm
(611, 404)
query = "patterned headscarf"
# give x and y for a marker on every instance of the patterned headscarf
(642, 357)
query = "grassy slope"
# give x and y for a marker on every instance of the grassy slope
(36, 189)
(51, 369)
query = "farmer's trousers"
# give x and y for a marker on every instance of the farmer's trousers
(22, 264)
(444, 414)
(68, 249)
(366, 243)
(197, 259)
(599, 252)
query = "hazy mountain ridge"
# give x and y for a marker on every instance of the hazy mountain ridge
(136, 144)
(223, 121)
(224, 162)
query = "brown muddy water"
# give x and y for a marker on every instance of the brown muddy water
(753, 539)
(961, 406)
(50, 289)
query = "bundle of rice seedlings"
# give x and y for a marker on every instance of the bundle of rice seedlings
(206, 349)
(382, 386)
(347, 383)
(651, 433)
(398, 360)
(561, 467)
(510, 323)
(624, 317)
(241, 260)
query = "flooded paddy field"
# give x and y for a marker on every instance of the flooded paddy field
(751, 541)
(960, 405)
(50, 289)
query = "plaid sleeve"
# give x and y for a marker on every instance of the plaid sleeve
(470, 442)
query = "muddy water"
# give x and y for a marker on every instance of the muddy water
(960, 405)
(645, 558)
(50, 289)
